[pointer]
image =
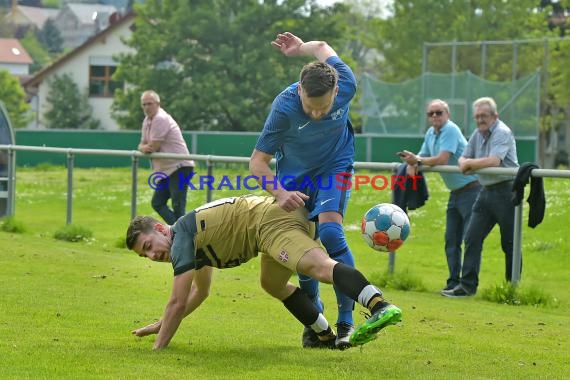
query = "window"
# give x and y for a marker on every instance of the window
(101, 82)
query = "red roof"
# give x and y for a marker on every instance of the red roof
(11, 51)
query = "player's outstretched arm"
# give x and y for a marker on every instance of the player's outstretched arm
(175, 309)
(199, 291)
(292, 46)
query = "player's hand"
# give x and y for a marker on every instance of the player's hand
(153, 328)
(288, 43)
(291, 200)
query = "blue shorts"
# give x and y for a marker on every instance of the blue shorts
(331, 194)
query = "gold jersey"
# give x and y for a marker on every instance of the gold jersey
(228, 232)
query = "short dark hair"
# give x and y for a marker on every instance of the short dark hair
(139, 225)
(318, 78)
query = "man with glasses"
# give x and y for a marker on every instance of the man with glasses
(492, 144)
(443, 145)
(161, 133)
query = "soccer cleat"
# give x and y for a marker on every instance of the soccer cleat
(310, 339)
(366, 332)
(343, 331)
(327, 338)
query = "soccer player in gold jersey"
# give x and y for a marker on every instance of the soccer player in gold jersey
(230, 231)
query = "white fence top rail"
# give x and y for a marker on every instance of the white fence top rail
(556, 173)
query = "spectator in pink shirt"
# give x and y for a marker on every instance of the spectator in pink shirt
(161, 133)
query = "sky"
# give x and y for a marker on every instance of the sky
(327, 2)
(382, 2)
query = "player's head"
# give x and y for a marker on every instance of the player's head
(150, 102)
(438, 113)
(485, 113)
(149, 238)
(318, 87)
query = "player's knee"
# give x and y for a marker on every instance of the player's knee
(332, 237)
(320, 268)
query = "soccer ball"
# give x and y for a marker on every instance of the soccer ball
(385, 227)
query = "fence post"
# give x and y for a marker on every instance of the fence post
(517, 246)
(210, 167)
(392, 255)
(134, 184)
(11, 204)
(391, 262)
(70, 163)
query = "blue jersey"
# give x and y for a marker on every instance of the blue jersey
(308, 149)
(449, 139)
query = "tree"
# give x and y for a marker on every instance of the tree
(50, 37)
(70, 109)
(211, 60)
(362, 20)
(14, 98)
(417, 21)
(37, 52)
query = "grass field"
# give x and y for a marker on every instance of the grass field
(67, 309)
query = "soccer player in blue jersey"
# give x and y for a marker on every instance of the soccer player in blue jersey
(309, 133)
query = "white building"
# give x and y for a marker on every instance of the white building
(14, 58)
(91, 66)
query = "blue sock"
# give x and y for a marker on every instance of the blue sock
(332, 237)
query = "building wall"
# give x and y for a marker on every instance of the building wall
(78, 69)
(15, 68)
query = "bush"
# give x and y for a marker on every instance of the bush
(10, 224)
(510, 294)
(401, 281)
(73, 233)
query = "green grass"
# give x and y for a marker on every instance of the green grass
(10, 224)
(67, 309)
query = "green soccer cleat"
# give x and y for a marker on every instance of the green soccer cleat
(366, 332)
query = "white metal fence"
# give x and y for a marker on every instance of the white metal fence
(7, 184)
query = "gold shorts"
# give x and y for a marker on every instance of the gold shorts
(286, 236)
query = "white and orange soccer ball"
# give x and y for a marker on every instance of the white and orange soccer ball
(385, 227)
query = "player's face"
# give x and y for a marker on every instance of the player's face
(149, 105)
(154, 245)
(317, 107)
(484, 118)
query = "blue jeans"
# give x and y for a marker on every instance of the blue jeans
(176, 192)
(459, 206)
(493, 206)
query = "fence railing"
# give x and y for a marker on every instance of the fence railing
(211, 160)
